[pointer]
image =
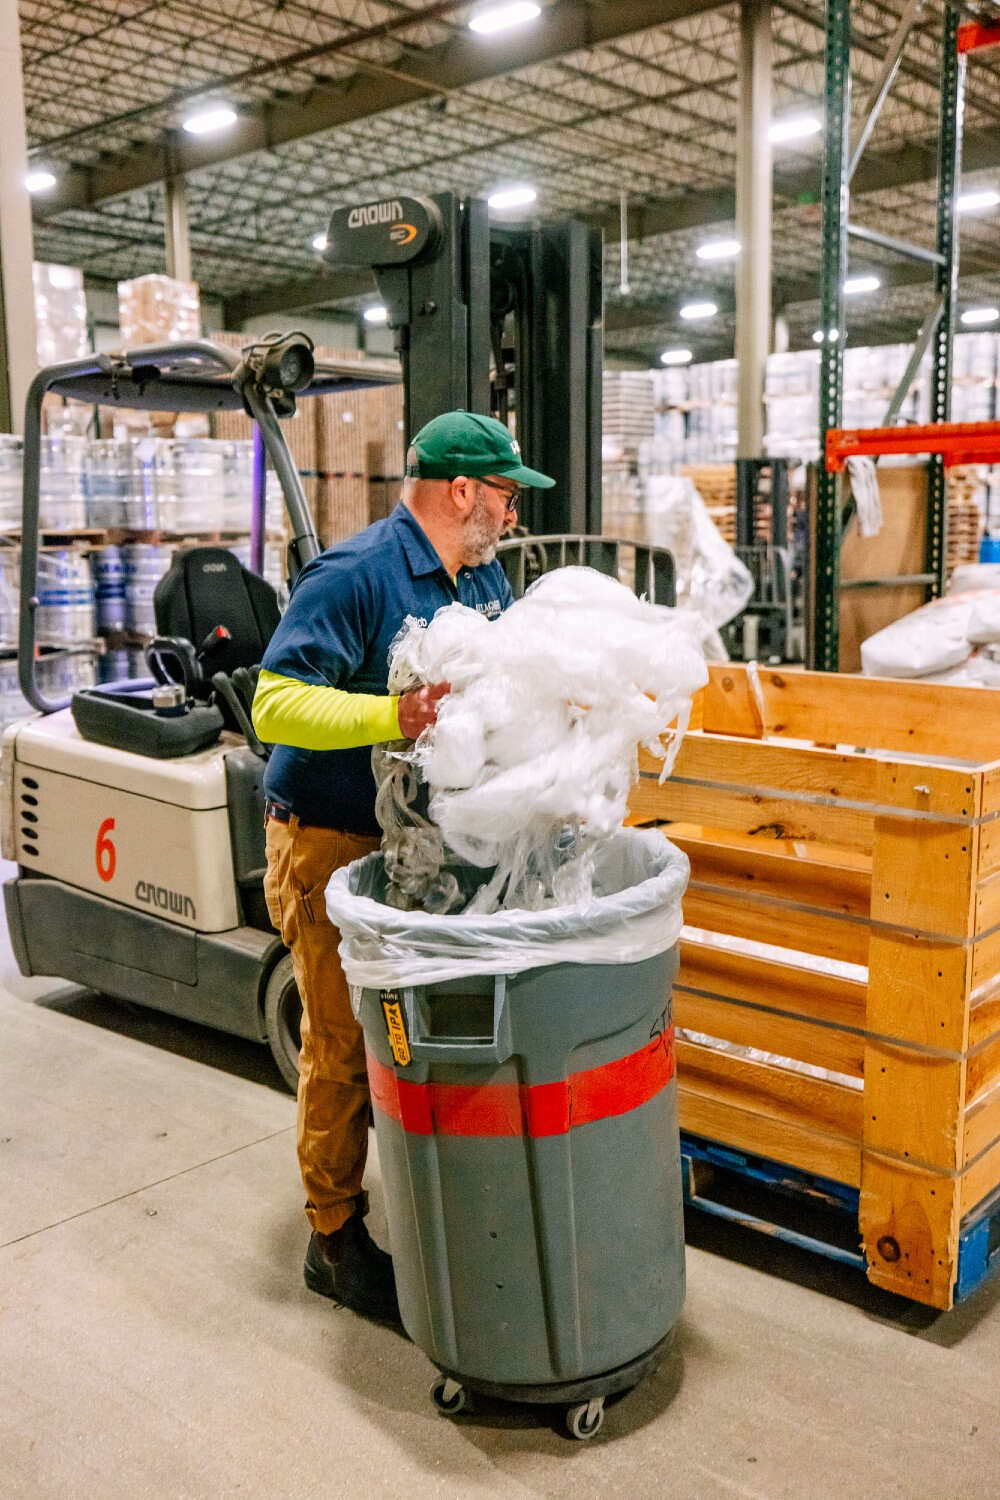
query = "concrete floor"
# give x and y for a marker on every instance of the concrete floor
(156, 1338)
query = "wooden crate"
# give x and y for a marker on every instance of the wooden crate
(885, 859)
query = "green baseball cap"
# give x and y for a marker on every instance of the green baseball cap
(460, 442)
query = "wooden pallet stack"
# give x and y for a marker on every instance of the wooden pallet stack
(883, 1075)
(964, 530)
(716, 484)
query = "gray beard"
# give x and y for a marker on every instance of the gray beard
(479, 544)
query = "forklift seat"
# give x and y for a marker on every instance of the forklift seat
(207, 587)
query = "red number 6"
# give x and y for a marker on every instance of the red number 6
(105, 853)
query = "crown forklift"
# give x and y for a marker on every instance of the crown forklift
(134, 812)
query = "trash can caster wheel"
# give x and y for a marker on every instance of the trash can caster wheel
(448, 1396)
(585, 1421)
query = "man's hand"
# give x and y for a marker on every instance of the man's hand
(419, 707)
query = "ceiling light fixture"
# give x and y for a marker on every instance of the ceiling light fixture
(968, 203)
(718, 250)
(208, 121)
(855, 284)
(503, 17)
(794, 128)
(676, 357)
(978, 315)
(376, 314)
(692, 311)
(319, 241)
(39, 180)
(513, 197)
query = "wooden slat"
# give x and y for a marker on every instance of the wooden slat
(814, 1103)
(924, 876)
(747, 812)
(812, 995)
(989, 848)
(725, 761)
(991, 789)
(918, 990)
(769, 765)
(983, 1070)
(914, 1105)
(980, 1179)
(909, 1226)
(919, 718)
(797, 849)
(820, 933)
(988, 903)
(815, 883)
(984, 1017)
(778, 1140)
(982, 1125)
(985, 963)
(764, 1030)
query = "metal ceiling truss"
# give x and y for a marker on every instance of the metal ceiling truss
(599, 98)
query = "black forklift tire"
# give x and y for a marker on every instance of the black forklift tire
(283, 1020)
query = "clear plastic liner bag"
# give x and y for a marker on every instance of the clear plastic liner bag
(529, 765)
(632, 913)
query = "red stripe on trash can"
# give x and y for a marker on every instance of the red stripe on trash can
(509, 1109)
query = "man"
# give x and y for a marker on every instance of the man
(322, 700)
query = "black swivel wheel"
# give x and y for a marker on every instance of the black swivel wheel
(448, 1396)
(585, 1420)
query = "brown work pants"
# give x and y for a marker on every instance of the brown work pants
(333, 1082)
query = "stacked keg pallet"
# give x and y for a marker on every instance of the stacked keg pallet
(112, 514)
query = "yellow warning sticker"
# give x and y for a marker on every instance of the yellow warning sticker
(394, 1025)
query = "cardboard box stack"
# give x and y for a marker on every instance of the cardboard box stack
(60, 334)
(60, 313)
(348, 447)
(155, 310)
(158, 310)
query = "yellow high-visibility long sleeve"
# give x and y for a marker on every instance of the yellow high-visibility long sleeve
(312, 716)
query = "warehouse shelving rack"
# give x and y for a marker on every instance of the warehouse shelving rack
(844, 148)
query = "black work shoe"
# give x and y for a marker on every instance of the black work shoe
(349, 1267)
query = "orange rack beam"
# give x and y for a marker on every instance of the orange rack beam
(957, 442)
(976, 35)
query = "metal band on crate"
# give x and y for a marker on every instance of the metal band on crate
(514, 1109)
(871, 924)
(811, 799)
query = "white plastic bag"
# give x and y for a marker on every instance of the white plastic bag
(931, 639)
(633, 913)
(974, 576)
(530, 763)
(711, 579)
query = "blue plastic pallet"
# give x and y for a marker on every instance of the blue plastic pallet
(979, 1232)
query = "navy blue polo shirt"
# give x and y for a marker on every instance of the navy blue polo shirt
(346, 609)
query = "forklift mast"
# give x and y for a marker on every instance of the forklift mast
(499, 320)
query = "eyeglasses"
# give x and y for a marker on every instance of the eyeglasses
(512, 497)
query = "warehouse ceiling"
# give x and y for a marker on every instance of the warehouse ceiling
(355, 99)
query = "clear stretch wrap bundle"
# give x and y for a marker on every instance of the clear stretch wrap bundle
(529, 765)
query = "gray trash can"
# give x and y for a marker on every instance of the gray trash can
(529, 1148)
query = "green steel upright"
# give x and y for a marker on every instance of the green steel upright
(945, 281)
(829, 487)
(840, 160)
